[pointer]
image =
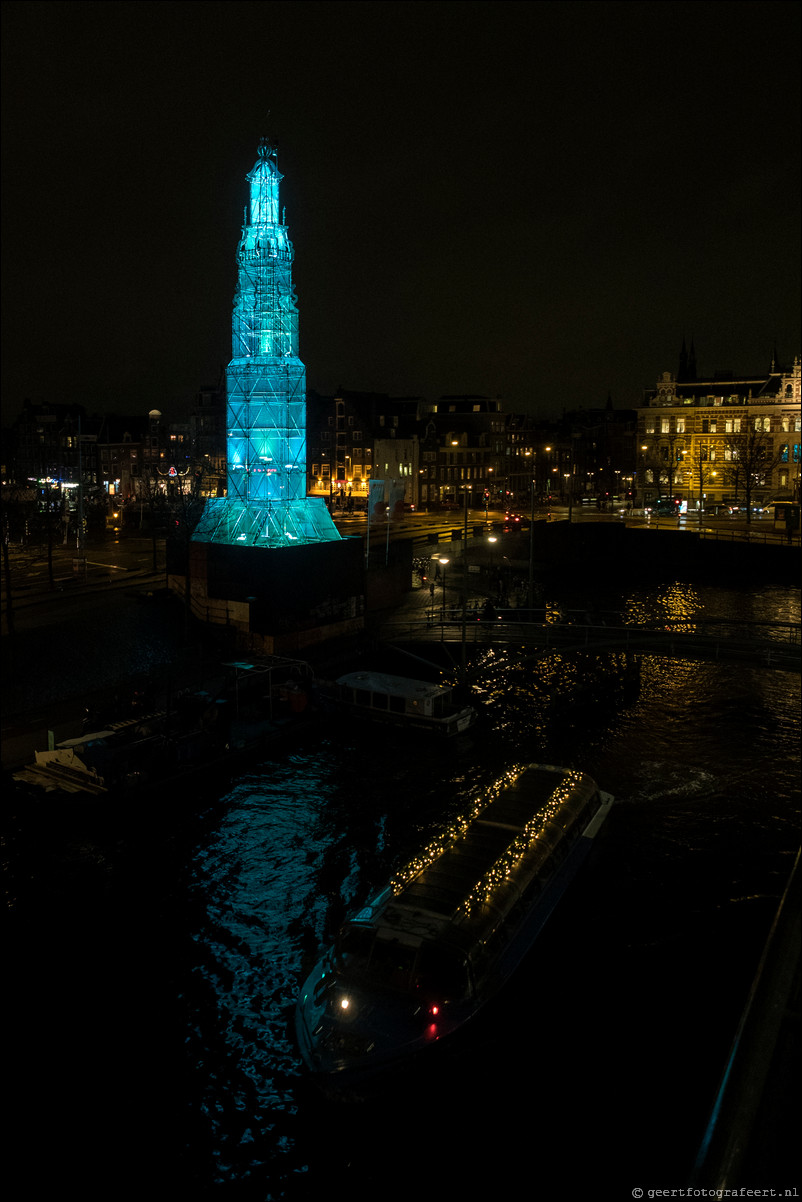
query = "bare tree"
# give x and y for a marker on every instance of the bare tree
(662, 457)
(751, 458)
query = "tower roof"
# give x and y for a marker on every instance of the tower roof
(264, 180)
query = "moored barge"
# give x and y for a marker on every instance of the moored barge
(425, 954)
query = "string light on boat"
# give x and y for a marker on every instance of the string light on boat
(433, 850)
(504, 867)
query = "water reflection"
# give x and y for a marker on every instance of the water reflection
(679, 603)
(704, 762)
(675, 604)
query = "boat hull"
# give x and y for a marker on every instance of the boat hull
(440, 728)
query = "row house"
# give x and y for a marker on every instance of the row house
(54, 445)
(115, 459)
(464, 452)
(601, 462)
(207, 431)
(120, 451)
(349, 434)
(462, 446)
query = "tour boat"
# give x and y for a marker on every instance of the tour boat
(400, 701)
(422, 957)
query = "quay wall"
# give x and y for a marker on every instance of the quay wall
(651, 549)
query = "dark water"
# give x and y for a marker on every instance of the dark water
(158, 954)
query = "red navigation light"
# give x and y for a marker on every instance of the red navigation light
(434, 1009)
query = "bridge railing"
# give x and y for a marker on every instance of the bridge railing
(715, 636)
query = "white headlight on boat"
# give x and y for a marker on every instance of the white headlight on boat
(344, 1003)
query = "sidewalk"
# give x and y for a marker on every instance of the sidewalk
(491, 576)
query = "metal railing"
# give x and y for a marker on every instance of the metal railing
(770, 644)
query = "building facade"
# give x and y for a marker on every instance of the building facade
(721, 441)
(465, 450)
(345, 435)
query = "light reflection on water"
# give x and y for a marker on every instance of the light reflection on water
(678, 604)
(702, 758)
(675, 604)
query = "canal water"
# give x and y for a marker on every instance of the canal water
(157, 954)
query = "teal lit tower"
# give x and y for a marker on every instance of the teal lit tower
(267, 505)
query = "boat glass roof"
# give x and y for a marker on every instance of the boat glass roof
(447, 876)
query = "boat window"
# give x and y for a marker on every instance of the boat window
(397, 705)
(362, 697)
(392, 963)
(559, 853)
(441, 973)
(355, 943)
(385, 961)
(380, 701)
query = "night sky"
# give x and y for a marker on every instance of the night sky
(533, 201)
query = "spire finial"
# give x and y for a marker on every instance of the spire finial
(267, 144)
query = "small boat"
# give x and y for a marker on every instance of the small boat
(416, 963)
(61, 770)
(400, 701)
(195, 732)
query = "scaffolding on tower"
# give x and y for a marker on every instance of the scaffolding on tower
(267, 503)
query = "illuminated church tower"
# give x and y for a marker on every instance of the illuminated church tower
(267, 505)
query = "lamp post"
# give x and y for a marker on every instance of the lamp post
(531, 581)
(491, 542)
(701, 488)
(463, 634)
(443, 561)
